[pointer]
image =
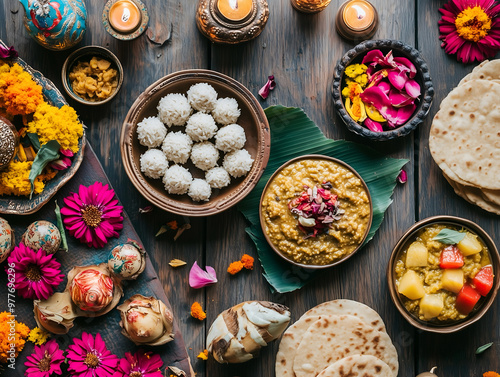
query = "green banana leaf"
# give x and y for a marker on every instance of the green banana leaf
(293, 134)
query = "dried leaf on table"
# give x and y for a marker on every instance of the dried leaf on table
(146, 209)
(181, 230)
(483, 348)
(177, 263)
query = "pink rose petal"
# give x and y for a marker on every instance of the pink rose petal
(199, 278)
(373, 126)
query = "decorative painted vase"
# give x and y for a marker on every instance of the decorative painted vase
(55, 24)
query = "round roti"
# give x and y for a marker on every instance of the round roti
(470, 75)
(465, 133)
(487, 70)
(358, 366)
(329, 340)
(293, 335)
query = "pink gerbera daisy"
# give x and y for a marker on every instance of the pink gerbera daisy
(141, 364)
(93, 215)
(36, 273)
(470, 29)
(45, 361)
(90, 358)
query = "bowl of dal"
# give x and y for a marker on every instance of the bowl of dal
(442, 274)
(315, 211)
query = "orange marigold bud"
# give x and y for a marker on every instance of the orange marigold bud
(235, 267)
(197, 312)
(247, 261)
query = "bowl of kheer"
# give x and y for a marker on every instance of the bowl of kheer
(315, 211)
(442, 274)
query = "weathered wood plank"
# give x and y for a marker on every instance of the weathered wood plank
(453, 354)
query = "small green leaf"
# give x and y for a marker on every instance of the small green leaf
(483, 348)
(449, 236)
(162, 230)
(47, 153)
(60, 225)
(35, 141)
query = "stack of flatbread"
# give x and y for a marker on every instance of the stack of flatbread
(337, 338)
(465, 137)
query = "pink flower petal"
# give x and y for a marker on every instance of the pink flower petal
(198, 278)
(266, 89)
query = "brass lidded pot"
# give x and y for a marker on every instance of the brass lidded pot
(310, 6)
(356, 20)
(9, 141)
(231, 21)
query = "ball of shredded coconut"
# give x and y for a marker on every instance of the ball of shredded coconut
(153, 163)
(238, 163)
(217, 177)
(201, 127)
(174, 109)
(177, 180)
(202, 97)
(226, 111)
(204, 155)
(230, 138)
(177, 146)
(151, 132)
(199, 190)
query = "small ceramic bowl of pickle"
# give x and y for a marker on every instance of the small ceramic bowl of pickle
(442, 274)
(92, 75)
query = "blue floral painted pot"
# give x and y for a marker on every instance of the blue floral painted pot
(55, 24)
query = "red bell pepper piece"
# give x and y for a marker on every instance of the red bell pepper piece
(467, 298)
(451, 257)
(483, 281)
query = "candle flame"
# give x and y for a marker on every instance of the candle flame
(233, 4)
(125, 14)
(360, 12)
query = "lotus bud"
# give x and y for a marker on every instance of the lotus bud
(146, 321)
(91, 289)
(56, 314)
(61, 164)
(7, 241)
(66, 152)
(238, 333)
(127, 261)
(44, 235)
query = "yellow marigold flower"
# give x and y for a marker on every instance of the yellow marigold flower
(197, 312)
(21, 332)
(38, 336)
(353, 89)
(52, 123)
(203, 355)
(355, 70)
(14, 180)
(362, 80)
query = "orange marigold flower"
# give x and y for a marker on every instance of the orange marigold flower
(197, 312)
(235, 267)
(22, 331)
(491, 374)
(247, 261)
(203, 355)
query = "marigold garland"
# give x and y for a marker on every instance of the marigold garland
(14, 180)
(19, 94)
(22, 332)
(61, 124)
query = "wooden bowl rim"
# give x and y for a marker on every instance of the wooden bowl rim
(495, 261)
(84, 51)
(215, 205)
(317, 157)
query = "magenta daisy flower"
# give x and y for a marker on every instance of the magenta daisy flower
(36, 273)
(470, 29)
(141, 364)
(89, 357)
(93, 215)
(45, 361)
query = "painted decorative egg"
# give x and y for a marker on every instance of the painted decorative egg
(91, 290)
(6, 239)
(127, 261)
(42, 234)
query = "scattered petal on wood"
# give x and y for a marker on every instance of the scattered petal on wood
(178, 372)
(266, 89)
(172, 225)
(402, 177)
(177, 263)
(483, 348)
(162, 230)
(146, 209)
(181, 230)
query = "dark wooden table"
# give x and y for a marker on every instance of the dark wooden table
(301, 52)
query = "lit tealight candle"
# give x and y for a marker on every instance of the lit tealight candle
(124, 16)
(235, 10)
(358, 14)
